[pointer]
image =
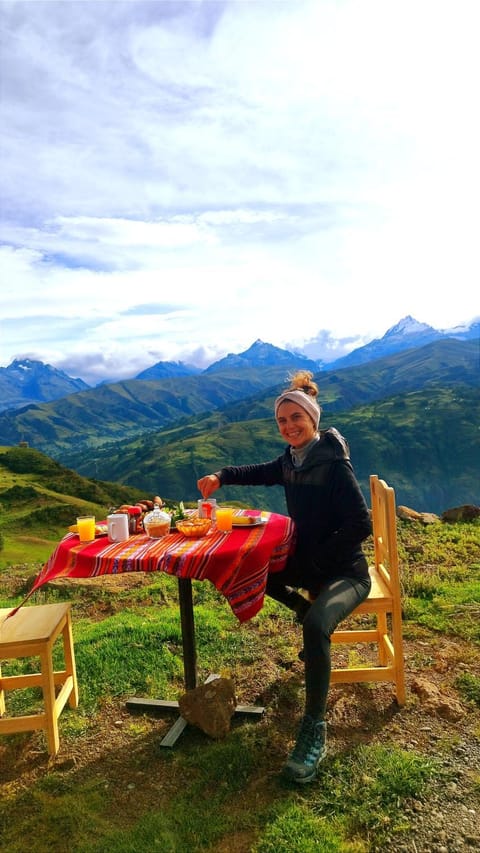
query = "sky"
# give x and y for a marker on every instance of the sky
(180, 179)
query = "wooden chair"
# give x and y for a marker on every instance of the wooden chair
(32, 632)
(383, 602)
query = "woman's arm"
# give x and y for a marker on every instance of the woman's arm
(264, 474)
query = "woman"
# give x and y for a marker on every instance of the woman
(332, 520)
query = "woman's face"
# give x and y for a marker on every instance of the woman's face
(295, 425)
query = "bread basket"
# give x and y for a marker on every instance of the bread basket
(193, 527)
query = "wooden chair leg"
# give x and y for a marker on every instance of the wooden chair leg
(382, 631)
(2, 697)
(400, 686)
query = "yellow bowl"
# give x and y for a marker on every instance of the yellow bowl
(194, 527)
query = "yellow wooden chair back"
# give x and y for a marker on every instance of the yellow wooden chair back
(383, 603)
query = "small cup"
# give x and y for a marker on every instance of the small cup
(86, 528)
(117, 527)
(224, 517)
(207, 508)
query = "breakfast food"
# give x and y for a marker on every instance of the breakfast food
(138, 514)
(100, 529)
(194, 526)
(245, 519)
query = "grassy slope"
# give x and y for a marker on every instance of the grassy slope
(112, 789)
(39, 499)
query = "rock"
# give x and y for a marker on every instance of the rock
(210, 706)
(429, 518)
(435, 701)
(467, 512)
(407, 514)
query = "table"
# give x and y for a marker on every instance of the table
(237, 563)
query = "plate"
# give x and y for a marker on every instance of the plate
(100, 529)
(253, 521)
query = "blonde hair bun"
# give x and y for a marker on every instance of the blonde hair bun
(303, 391)
(302, 380)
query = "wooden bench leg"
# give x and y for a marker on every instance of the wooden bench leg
(48, 688)
(70, 667)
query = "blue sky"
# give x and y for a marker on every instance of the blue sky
(179, 179)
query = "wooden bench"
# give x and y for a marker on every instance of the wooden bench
(33, 632)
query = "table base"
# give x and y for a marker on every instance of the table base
(159, 706)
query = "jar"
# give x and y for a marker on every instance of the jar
(207, 508)
(156, 523)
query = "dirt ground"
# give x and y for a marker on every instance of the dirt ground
(438, 724)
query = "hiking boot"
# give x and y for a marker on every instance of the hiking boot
(309, 750)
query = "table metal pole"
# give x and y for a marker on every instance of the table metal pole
(188, 632)
(189, 649)
(189, 646)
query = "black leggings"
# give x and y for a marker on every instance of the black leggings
(335, 600)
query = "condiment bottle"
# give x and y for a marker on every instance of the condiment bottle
(134, 513)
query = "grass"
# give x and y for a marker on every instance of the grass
(469, 686)
(360, 795)
(441, 577)
(123, 794)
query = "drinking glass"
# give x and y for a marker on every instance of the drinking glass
(224, 516)
(86, 528)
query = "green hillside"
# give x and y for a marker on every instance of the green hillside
(89, 419)
(39, 498)
(411, 417)
(425, 442)
(93, 419)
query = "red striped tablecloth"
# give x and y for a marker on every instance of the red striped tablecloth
(237, 563)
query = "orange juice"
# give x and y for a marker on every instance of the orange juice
(86, 528)
(224, 516)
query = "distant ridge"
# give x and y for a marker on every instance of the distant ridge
(165, 369)
(261, 354)
(27, 381)
(406, 334)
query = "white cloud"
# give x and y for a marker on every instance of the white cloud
(299, 171)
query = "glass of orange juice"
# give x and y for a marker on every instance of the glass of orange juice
(224, 516)
(86, 528)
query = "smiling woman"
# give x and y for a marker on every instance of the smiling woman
(298, 413)
(332, 520)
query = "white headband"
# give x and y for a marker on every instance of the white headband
(305, 401)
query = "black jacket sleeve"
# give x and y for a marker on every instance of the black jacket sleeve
(264, 474)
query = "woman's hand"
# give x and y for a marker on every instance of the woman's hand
(207, 485)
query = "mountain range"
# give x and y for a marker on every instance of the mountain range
(25, 381)
(410, 416)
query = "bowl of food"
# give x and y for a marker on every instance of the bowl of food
(193, 527)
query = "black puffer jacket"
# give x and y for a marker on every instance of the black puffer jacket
(325, 501)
